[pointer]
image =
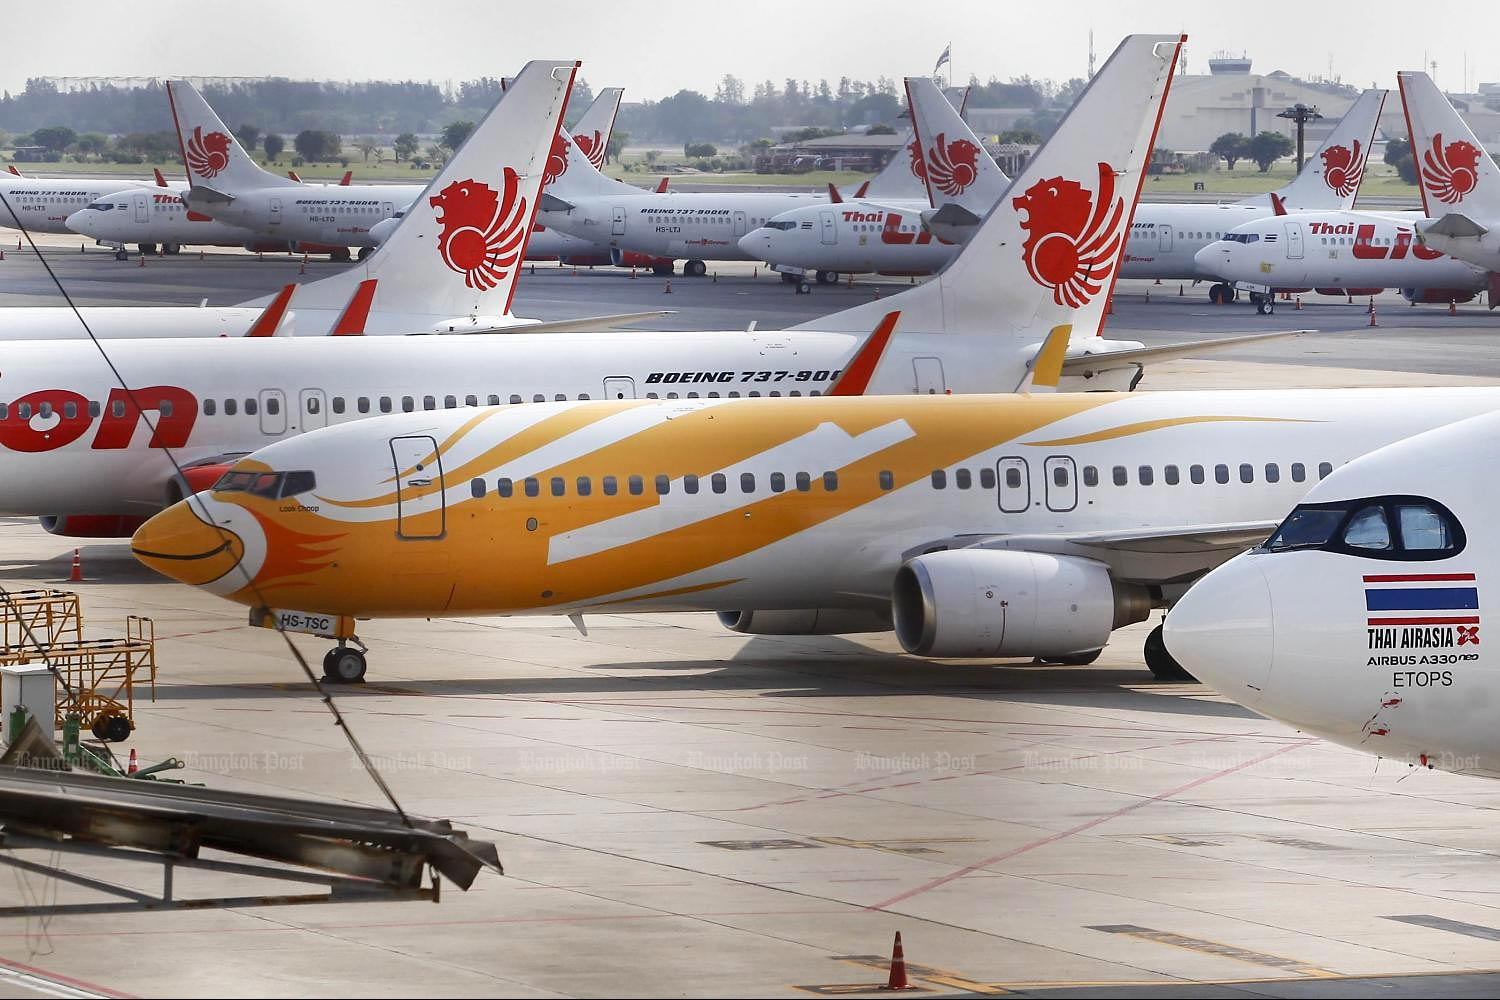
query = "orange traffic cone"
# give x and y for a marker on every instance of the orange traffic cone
(303, 268)
(1372, 303)
(76, 576)
(1452, 307)
(1299, 302)
(668, 289)
(134, 766)
(1372, 315)
(1148, 295)
(1180, 292)
(143, 260)
(877, 291)
(898, 967)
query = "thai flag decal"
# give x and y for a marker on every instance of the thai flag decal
(1424, 599)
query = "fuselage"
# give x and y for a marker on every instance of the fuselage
(691, 225)
(158, 215)
(231, 396)
(1335, 249)
(324, 214)
(753, 503)
(42, 205)
(1363, 619)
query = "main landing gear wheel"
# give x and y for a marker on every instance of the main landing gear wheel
(1220, 294)
(365, 252)
(170, 249)
(343, 665)
(661, 269)
(1160, 662)
(340, 254)
(828, 277)
(695, 269)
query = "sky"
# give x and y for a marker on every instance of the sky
(692, 46)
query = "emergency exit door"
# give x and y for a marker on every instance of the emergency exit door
(420, 506)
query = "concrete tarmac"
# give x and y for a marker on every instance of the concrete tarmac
(682, 810)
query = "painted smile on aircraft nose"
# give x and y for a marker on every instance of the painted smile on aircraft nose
(179, 544)
(1222, 631)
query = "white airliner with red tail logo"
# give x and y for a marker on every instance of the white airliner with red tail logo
(1460, 182)
(1362, 618)
(75, 448)
(448, 266)
(1163, 238)
(42, 204)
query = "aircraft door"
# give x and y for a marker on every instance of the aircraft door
(1164, 239)
(272, 412)
(1294, 240)
(617, 221)
(619, 387)
(275, 211)
(1062, 483)
(387, 210)
(830, 229)
(739, 223)
(142, 207)
(314, 409)
(929, 373)
(420, 506)
(1015, 485)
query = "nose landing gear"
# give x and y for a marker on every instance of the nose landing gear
(343, 665)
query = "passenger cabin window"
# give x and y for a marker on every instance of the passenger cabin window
(1299, 472)
(1090, 476)
(1221, 474)
(1145, 475)
(1171, 475)
(1120, 476)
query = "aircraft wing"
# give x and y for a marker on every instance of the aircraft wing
(608, 322)
(1161, 556)
(1090, 364)
(1455, 224)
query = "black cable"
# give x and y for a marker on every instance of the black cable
(324, 695)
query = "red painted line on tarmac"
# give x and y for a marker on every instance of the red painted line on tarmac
(1080, 828)
(61, 980)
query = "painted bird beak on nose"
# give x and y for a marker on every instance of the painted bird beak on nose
(180, 544)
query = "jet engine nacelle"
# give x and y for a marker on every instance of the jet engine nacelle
(630, 258)
(1437, 296)
(92, 525)
(383, 229)
(1002, 603)
(805, 621)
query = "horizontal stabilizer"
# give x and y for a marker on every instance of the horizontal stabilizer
(1454, 224)
(202, 194)
(552, 203)
(609, 322)
(1085, 364)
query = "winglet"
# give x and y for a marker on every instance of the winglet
(661, 185)
(161, 181)
(348, 176)
(16, 171)
(862, 189)
(293, 175)
(858, 372)
(351, 322)
(1047, 366)
(1278, 207)
(267, 323)
(834, 198)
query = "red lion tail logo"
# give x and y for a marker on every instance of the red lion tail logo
(207, 154)
(952, 166)
(591, 147)
(1071, 238)
(1450, 171)
(1342, 169)
(918, 168)
(482, 234)
(557, 160)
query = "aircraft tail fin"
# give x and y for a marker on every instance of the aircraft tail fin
(1453, 169)
(592, 132)
(1330, 178)
(958, 170)
(1049, 250)
(210, 151)
(458, 249)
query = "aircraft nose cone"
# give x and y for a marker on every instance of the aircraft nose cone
(1214, 258)
(755, 243)
(179, 544)
(1222, 630)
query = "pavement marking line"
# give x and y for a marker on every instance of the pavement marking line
(1081, 827)
(898, 845)
(927, 973)
(1444, 924)
(50, 984)
(772, 844)
(1215, 948)
(849, 989)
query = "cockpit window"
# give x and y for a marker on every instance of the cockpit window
(1368, 530)
(100, 206)
(782, 224)
(1242, 237)
(271, 485)
(1396, 527)
(1306, 528)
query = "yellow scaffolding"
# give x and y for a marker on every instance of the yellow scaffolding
(97, 676)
